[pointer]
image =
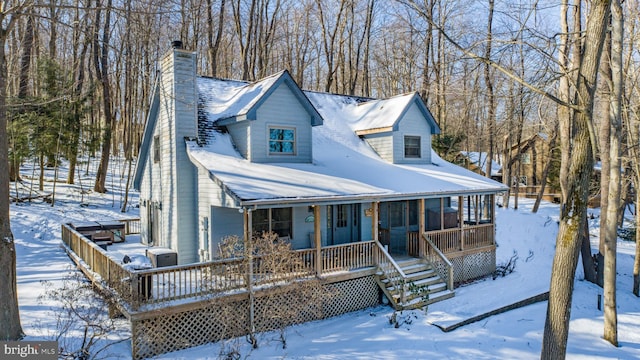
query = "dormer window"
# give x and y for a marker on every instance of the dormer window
(412, 147)
(282, 141)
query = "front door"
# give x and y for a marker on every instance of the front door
(397, 219)
(344, 220)
(397, 227)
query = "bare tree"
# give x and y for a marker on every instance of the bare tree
(576, 190)
(101, 64)
(10, 328)
(491, 101)
(615, 114)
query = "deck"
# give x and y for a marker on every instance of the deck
(138, 288)
(176, 300)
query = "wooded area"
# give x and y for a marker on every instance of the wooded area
(76, 79)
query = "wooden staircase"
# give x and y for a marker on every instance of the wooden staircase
(421, 285)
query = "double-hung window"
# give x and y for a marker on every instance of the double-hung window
(282, 141)
(412, 147)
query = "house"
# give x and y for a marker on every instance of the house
(476, 161)
(323, 171)
(528, 159)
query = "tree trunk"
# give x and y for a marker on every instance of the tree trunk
(491, 113)
(636, 262)
(587, 261)
(611, 239)
(80, 25)
(574, 209)
(10, 328)
(101, 67)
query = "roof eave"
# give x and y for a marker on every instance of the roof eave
(379, 130)
(346, 199)
(147, 136)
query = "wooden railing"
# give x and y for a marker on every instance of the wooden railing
(446, 240)
(413, 246)
(170, 283)
(164, 284)
(460, 239)
(109, 271)
(440, 263)
(346, 257)
(478, 236)
(271, 268)
(131, 226)
(391, 270)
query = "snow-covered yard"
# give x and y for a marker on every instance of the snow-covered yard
(365, 334)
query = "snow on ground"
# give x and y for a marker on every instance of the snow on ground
(365, 334)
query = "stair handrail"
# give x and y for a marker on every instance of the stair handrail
(391, 270)
(449, 266)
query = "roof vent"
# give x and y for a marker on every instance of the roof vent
(176, 44)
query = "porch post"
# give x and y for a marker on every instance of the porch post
(374, 220)
(493, 219)
(248, 249)
(317, 238)
(441, 213)
(421, 227)
(461, 215)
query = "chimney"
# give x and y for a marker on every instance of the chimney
(176, 44)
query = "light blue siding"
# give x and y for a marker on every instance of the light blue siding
(241, 135)
(281, 109)
(382, 144)
(225, 222)
(412, 123)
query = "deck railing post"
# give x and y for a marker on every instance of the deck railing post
(421, 230)
(317, 239)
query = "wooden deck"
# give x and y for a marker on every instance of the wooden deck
(176, 304)
(139, 288)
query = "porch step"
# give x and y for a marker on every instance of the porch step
(422, 285)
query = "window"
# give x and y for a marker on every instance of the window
(272, 220)
(525, 158)
(282, 141)
(156, 149)
(412, 147)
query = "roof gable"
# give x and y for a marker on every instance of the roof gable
(243, 100)
(384, 115)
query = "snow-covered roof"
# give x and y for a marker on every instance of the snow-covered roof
(233, 100)
(344, 167)
(479, 159)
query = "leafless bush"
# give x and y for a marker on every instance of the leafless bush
(83, 324)
(284, 289)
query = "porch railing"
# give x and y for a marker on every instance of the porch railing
(440, 263)
(347, 257)
(391, 270)
(413, 246)
(164, 284)
(131, 226)
(460, 239)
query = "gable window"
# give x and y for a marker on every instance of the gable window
(282, 141)
(272, 220)
(412, 147)
(156, 149)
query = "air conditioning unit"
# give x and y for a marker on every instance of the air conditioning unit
(161, 257)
